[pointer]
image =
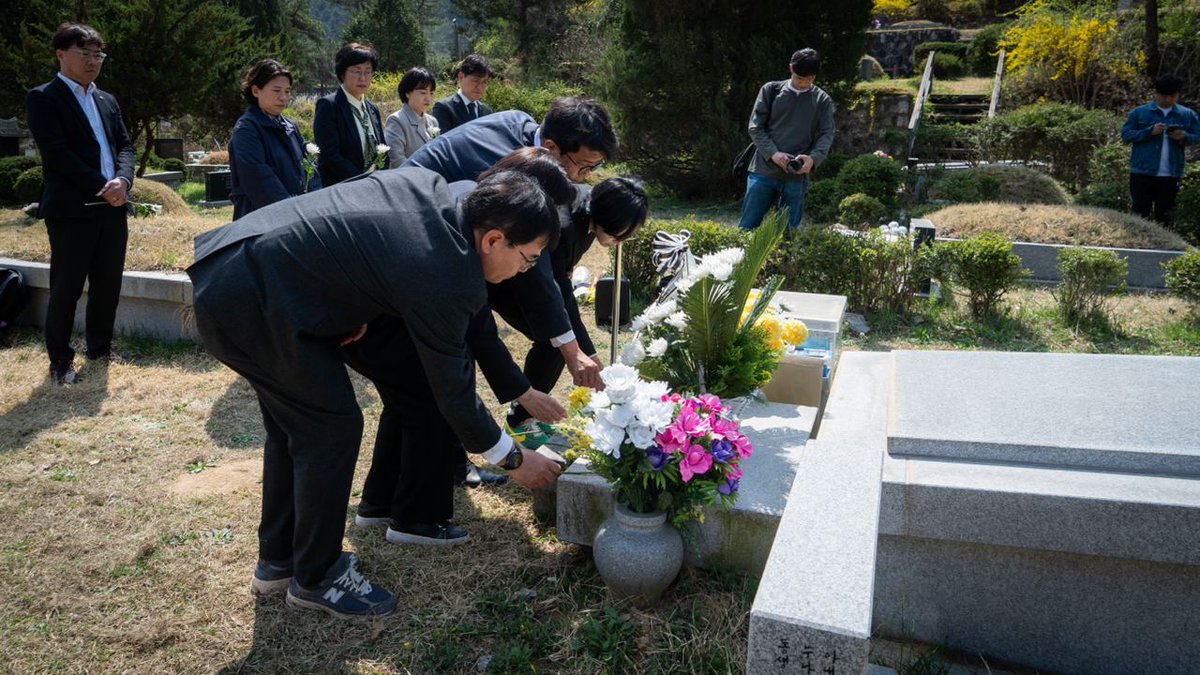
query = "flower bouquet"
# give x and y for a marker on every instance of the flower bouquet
(660, 451)
(705, 335)
(309, 162)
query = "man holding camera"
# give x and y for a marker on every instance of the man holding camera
(792, 130)
(1158, 131)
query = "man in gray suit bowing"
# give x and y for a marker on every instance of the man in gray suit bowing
(279, 292)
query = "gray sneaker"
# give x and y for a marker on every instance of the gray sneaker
(271, 577)
(344, 593)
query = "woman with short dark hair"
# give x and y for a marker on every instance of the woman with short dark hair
(266, 151)
(411, 126)
(346, 126)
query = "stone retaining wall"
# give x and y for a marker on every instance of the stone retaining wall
(893, 47)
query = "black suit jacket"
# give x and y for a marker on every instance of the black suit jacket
(335, 131)
(451, 112)
(469, 150)
(70, 153)
(320, 265)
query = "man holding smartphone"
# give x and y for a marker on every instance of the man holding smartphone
(792, 129)
(1158, 132)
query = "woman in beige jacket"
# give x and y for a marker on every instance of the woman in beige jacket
(411, 126)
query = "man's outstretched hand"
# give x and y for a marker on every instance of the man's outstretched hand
(535, 471)
(542, 406)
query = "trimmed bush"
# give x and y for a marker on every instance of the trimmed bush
(153, 192)
(1113, 196)
(173, 164)
(921, 51)
(822, 200)
(10, 169)
(984, 50)
(1183, 277)
(1109, 163)
(1054, 224)
(969, 186)
(876, 176)
(829, 167)
(1187, 205)
(28, 186)
(948, 66)
(986, 267)
(1088, 277)
(860, 211)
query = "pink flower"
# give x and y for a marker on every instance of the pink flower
(734, 472)
(710, 402)
(741, 445)
(689, 421)
(672, 439)
(695, 462)
(672, 397)
(723, 428)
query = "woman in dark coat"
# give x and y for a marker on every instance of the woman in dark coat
(266, 151)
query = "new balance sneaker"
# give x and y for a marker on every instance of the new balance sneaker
(344, 593)
(371, 516)
(427, 534)
(271, 577)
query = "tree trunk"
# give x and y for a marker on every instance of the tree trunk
(149, 128)
(1150, 42)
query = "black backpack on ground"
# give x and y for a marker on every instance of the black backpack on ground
(13, 298)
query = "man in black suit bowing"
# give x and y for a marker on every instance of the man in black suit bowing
(346, 126)
(281, 291)
(87, 169)
(473, 74)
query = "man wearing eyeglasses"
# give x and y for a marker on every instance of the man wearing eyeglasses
(87, 170)
(578, 133)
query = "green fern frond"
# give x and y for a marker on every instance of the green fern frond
(764, 240)
(761, 304)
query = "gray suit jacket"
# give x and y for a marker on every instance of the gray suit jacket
(405, 134)
(322, 264)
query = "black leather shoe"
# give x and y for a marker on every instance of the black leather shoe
(472, 476)
(427, 534)
(63, 372)
(110, 356)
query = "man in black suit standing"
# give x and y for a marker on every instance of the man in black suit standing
(87, 169)
(579, 134)
(346, 126)
(281, 291)
(473, 74)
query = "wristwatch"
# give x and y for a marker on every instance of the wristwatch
(512, 461)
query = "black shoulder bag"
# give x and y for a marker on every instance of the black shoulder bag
(741, 163)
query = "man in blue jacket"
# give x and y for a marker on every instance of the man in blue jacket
(1158, 131)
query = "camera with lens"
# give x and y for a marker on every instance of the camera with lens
(795, 164)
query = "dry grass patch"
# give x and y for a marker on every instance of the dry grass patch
(963, 85)
(161, 242)
(1055, 224)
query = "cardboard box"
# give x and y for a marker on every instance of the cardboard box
(797, 381)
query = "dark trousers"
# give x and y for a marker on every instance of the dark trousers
(314, 427)
(415, 448)
(1153, 196)
(91, 250)
(543, 364)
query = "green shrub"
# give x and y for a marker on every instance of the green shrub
(860, 210)
(830, 166)
(1059, 134)
(822, 199)
(1183, 276)
(921, 51)
(1106, 195)
(173, 164)
(984, 50)
(949, 66)
(154, 163)
(28, 186)
(1187, 205)
(965, 187)
(871, 175)
(987, 268)
(887, 274)
(707, 237)
(533, 99)
(10, 169)
(1109, 163)
(1088, 274)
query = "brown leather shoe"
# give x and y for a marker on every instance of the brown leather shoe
(63, 372)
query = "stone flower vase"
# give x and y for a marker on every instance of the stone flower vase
(637, 554)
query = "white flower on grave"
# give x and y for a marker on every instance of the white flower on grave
(720, 264)
(312, 149)
(598, 401)
(656, 348)
(641, 435)
(381, 149)
(620, 382)
(633, 353)
(620, 416)
(678, 320)
(605, 437)
(654, 314)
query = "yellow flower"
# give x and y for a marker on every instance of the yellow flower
(794, 332)
(772, 326)
(775, 343)
(579, 397)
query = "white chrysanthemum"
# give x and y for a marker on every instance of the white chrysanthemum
(654, 314)
(655, 415)
(312, 149)
(619, 416)
(641, 435)
(678, 320)
(605, 437)
(382, 149)
(598, 401)
(653, 391)
(657, 347)
(633, 353)
(620, 382)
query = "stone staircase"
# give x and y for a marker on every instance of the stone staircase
(959, 108)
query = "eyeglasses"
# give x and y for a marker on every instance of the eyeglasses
(90, 55)
(527, 263)
(584, 169)
(361, 73)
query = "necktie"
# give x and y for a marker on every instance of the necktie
(474, 110)
(369, 141)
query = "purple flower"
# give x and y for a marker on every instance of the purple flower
(658, 458)
(722, 450)
(729, 487)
